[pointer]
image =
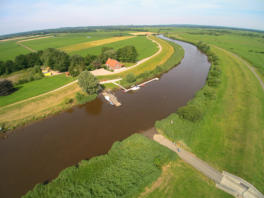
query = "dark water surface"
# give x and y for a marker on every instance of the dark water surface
(38, 152)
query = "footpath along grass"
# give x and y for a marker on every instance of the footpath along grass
(125, 171)
(35, 88)
(145, 47)
(230, 134)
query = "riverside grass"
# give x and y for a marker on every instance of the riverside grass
(125, 171)
(230, 135)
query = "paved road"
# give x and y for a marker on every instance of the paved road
(190, 158)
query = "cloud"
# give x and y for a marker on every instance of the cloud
(27, 15)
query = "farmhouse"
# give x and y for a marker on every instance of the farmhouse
(113, 64)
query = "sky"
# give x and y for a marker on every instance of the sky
(25, 15)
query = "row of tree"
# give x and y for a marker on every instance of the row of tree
(61, 61)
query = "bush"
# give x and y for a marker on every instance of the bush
(213, 81)
(130, 78)
(88, 83)
(82, 98)
(209, 93)
(6, 87)
(190, 112)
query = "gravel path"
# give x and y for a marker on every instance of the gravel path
(190, 158)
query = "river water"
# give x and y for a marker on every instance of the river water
(38, 152)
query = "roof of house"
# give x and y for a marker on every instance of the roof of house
(112, 63)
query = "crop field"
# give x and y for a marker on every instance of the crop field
(125, 172)
(10, 49)
(144, 46)
(62, 40)
(35, 88)
(85, 45)
(248, 45)
(230, 134)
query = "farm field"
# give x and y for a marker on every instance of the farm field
(125, 172)
(144, 46)
(161, 58)
(248, 45)
(230, 134)
(9, 49)
(35, 88)
(85, 45)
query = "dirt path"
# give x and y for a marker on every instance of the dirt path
(190, 158)
(28, 48)
(102, 72)
(251, 68)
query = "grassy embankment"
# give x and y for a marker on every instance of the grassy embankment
(10, 49)
(128, 167)
(230, 133)
(248, 45)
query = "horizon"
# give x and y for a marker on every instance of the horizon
(18, 17)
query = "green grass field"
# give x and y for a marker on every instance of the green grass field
(35, 88)
(230, 136)
(247, 45)
(9, 49)
(144, 46)
(125, 171)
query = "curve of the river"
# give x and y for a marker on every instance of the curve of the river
(38, 152)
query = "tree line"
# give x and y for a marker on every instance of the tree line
(61, 61)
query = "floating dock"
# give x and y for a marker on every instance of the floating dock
(111, 99)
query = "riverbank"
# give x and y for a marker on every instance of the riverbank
(228, 133)
(44, 106)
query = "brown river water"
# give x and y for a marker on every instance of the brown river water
(38, 152)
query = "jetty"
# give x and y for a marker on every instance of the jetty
(134, 88)
(111, 98)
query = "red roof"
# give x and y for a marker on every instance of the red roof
(114, 64)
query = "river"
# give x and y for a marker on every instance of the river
(38, 152)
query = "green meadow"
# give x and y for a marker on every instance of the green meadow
(248, 45)
(10, 49)
(125, 171)
(144, 46)
(35, 88)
